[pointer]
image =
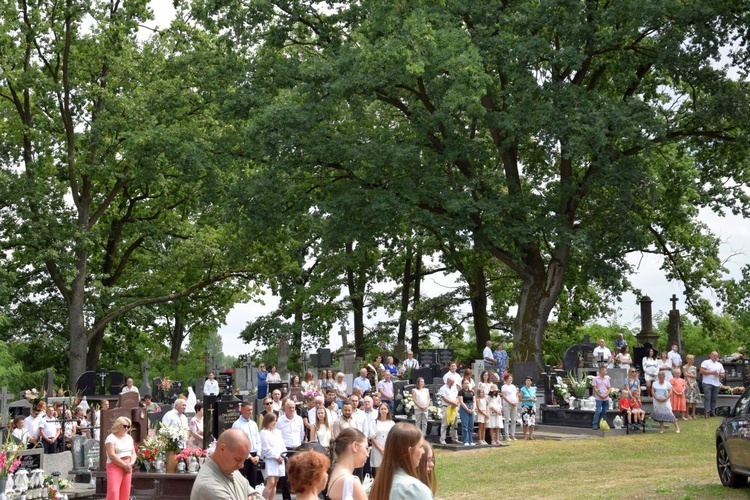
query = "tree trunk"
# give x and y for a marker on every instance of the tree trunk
(478, 297)
(177, 337)
(405, 293)
(356, 285)
(540, 289)
(77, 318)
(415, 301)
(94, 351)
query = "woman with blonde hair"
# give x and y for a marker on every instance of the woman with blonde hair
(426, 469)
(340, 388)
(351, 450)
(398, 477)
(120, 459)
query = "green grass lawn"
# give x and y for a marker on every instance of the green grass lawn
(650, 465)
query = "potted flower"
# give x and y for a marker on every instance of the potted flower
(579, 384)
(191, 456)
(562, 389)
(148, 450)
(173, 438)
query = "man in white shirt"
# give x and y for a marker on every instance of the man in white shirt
(448, 396)
(602, 355)
(49, 431)
(712, 371)
(452, 373)
(370, 412)
(250, 428)
(409, 363)
(176, 417)
(490, 363)
(129, 387)
(32, 422)
(674, 355)
(211, 386)
(293, 431)
(385, 389)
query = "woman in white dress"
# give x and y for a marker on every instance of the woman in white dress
(665, 366)
(322, 428)
(272, 447)
(661, 391)
(383, 426)
(421, 397)
(650, 368)
(495, 407)
(623, 358)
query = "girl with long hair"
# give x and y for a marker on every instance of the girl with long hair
(426, 469)
(350, 450)
(383, 426)
(398, 477)
(322, 428)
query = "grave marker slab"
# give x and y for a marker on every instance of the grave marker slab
(79, 456)
(92, 453)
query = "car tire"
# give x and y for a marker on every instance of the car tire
(724, 467)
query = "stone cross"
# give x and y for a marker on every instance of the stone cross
(674, 300)
(102, 374)
(145, 388)
(343, 332)
(4, 397)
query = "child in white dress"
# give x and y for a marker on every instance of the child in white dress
(482, 406)
(495, 407)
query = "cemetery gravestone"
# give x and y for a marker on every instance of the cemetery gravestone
(128, 400)
(116, 382)
(92, 453)
(617, 377)
(31, 459)
(86, 384)
(79, 455)
(49, 381)
(224, 413)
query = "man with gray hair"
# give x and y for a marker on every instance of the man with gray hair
(176, 417)
(409, 364)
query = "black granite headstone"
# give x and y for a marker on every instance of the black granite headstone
(116, 382)
(86, 384)
(225, 413)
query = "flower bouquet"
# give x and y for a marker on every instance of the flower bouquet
(562, 388)
(191, 451)
(173, 437)
(435, 412)
(166, 384)
(579, 384)
(408, 403)
(148, 450)
(738, 391)
(9, 459)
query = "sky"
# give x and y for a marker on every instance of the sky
(734, 232)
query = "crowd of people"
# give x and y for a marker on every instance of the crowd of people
(671, 383)
(342, 435)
